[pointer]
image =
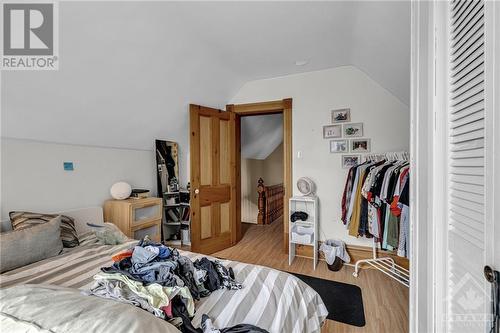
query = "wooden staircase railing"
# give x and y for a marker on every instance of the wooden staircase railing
(270, 203)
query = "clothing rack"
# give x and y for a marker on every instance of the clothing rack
(386, 265)
(389, 156)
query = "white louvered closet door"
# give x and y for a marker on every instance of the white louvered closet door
(468, 293)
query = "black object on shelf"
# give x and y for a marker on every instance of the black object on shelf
(184, 197)
(303, 216)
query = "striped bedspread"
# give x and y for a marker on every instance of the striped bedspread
(270, 299)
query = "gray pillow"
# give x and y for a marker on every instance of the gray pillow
(22, 220)
(22, 247)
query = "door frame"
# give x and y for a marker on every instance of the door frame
(284, 107)
(422, 310)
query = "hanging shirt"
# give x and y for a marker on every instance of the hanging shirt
(353, 195)
(403, 176)
(356, 211)
(346, 196)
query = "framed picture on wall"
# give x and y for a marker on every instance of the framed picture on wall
(348, 161)
(332, 131)
(360, 145)
(341, 116)
(339, 146)
(353, 130)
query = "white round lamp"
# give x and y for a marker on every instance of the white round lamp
(120, 190)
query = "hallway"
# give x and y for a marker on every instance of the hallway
(385, 300)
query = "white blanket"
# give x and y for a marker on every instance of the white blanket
(43, 308)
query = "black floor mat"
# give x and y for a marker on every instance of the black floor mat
(343, 301)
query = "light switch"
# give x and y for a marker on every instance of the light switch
(68, 166)
(299, 154)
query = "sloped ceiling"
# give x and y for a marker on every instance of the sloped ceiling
(261, 135)
(128, 70)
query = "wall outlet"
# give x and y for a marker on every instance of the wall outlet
(68, 166)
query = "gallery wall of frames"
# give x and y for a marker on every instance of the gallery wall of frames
(346, 138)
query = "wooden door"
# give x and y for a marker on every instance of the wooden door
(213, 179)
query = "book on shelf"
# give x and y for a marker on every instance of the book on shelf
(173, 215)
(185, 213)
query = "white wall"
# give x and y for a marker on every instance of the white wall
(33, 177)
(269, 169)
(385, 118)
(251, 169)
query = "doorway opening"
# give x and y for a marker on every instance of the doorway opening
(264, 136)
(261, 166)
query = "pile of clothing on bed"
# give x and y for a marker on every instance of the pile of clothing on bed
(158, 279)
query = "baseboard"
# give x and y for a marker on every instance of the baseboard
(356, 253)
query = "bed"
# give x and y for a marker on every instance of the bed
(270, 299)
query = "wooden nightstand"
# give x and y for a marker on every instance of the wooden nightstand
(136, 218)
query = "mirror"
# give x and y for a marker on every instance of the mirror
(167, 163)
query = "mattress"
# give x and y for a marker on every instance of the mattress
(270, 299)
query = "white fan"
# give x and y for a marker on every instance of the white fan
(306, 186)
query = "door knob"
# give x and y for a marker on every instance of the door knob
(196, 191)
(493, 277)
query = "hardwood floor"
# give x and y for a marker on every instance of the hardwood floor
(385, 300)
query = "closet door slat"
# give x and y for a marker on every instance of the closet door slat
(467, 127)
(470, 55)
(467, 179)
(468, 145)
(467, 204)
(463, 244)
(465, 228)
(466, 189)
(471, 74)
(473, 91)
(474, 216)
(468, 44)
(478, 226)
(469, 153)
(468, 171)
(461, 7)
(468, 162)
(457, 6)
(471, 16)
(469, 30)
(464, 73)
(461, 17)
(468, 118)
(478, 79)
(468, 136)
(477, 198)
(474, 36)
